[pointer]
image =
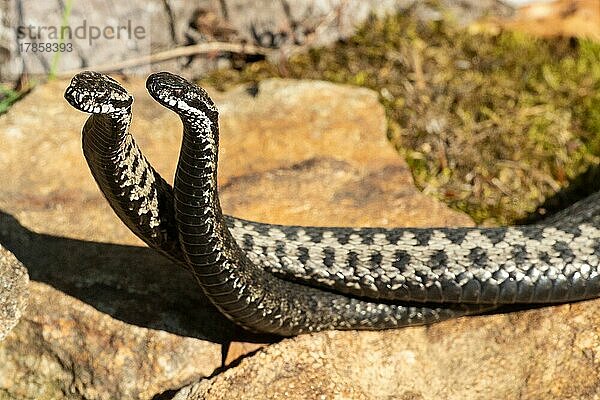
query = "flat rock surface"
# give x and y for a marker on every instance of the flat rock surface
(549, 353)
(13, 291)
(109, 318)
(326, 163)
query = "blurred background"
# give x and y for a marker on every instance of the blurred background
(494, 104)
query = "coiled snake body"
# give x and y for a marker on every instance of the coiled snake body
(290, 279)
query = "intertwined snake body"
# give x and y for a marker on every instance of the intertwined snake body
(291, 279)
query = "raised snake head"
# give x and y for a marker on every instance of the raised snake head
(96, 93)
(181, 96)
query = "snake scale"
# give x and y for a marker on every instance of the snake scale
(292, 279)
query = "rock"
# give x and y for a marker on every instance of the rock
(67, 346)
(332, 163)
(109, 318)
(330, 192)
(97, 327)
(566, 18)
(548, 353)
(13, 291)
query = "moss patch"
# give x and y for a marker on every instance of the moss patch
(490, 124)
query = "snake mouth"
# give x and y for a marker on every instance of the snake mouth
(97, 93)
(179, 95)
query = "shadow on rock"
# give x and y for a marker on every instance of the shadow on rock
(582, 186)
(133, 284)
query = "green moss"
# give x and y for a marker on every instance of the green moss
(491, 124)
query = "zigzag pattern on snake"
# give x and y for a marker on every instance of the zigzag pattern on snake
(431, 268)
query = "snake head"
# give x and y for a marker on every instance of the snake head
(96, 93)
(179, 95)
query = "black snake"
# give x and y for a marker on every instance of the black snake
(292, 279)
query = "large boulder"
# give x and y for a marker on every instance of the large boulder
(549, 353)
(109, 318)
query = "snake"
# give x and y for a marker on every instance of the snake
(294, 279)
